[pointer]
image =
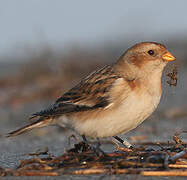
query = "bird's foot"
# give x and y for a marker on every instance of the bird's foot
(79, 148)
(124, 142)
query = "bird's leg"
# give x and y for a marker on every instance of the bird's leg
(84, 139)
(98, 143)
(124, 142)
(72, 137)
(98, 147)
(85, 143)
(98, 151)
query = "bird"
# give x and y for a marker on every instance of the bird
(112, 100)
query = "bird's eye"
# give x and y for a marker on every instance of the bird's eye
(151, 52)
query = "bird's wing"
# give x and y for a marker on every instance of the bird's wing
(89, 94)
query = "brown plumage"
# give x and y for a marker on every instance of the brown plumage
(112, 100)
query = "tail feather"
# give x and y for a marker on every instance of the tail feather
(38, 124)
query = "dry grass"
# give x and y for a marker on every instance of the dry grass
(170, 160)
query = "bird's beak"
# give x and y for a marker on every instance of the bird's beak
(168, 57)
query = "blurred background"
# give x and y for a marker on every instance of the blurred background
(46, 47)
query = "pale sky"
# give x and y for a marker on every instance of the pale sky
(63, 22)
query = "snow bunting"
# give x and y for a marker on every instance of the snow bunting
(112, 100)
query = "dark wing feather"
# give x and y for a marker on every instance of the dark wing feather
(90, 93)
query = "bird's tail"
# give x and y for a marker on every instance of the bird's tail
(38, 124)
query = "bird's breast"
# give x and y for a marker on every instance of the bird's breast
(112, 121)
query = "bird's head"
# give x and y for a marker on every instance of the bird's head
(146, 57)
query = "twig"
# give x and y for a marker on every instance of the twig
(104, 171)
(35, 173)
(164, 173)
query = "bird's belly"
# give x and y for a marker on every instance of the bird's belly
(120, 120)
